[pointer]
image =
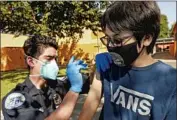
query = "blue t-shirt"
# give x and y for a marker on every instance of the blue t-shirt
(146, 93)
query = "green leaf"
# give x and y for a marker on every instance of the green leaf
(64, 18)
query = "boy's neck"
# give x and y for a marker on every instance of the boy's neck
(144, 60)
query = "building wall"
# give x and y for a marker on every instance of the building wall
(90, 43)
(12, 55)
(175, 36)
(12, 58)
(8, 40)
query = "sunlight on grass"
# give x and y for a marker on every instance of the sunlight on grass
(7, 85)
(62, 72)
(11, 78)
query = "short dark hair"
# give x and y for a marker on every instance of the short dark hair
(140, 17)
(34, 46)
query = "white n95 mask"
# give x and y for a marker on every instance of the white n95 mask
(48, 70)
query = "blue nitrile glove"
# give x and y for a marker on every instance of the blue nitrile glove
(103, 61)
(74, 75)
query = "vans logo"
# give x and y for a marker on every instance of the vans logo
(131, 99)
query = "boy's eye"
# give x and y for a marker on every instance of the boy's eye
(117, 41)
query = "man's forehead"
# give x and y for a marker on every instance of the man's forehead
(49, 52)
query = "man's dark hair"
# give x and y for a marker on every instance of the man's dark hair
(34, 46)
(140, 17)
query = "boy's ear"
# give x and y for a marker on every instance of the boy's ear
(147, 40)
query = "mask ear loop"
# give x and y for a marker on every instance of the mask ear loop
(139, 44)
(36, 75)
(33, 58)
(25, 57)
(111, 84)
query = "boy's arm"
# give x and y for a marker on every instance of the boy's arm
(93, 100)
(171, 114)
(103, 62)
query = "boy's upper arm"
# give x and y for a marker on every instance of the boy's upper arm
(171, 114)
(93, 100)
(97, 84)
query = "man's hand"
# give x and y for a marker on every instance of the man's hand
(74, 75)
(103, 61)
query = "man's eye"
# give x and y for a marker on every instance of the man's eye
(56, 58)
(48, 59)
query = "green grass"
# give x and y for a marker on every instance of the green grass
(10, 79)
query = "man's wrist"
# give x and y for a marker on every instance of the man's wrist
(76, 90)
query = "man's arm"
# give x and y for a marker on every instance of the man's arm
(93, 100)
(64, 111)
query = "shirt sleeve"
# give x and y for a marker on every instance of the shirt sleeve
(171, 114)
(23, 114)
(16, 106)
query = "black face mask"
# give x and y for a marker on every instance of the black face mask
(124, 55)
